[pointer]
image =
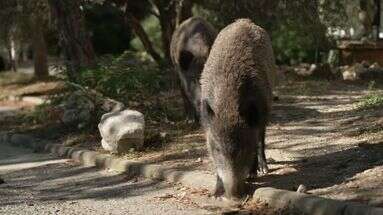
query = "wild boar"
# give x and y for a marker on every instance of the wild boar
(236, 99)
(190, 47)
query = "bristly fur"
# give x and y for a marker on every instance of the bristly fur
(194, 35)
(236, 95)
(242, 53)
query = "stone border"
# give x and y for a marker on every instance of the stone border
(300, 203)
(293, 202)
(132, 168)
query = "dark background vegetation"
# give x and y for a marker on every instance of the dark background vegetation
(120, 48)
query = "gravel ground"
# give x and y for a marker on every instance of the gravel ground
(42, 184)
(308, 143)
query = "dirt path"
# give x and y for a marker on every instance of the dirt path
(315, 138)
(309, 143)
(43, 184)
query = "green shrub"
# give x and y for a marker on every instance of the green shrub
(373, 100)
(125, 77)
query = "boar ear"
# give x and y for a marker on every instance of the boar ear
(185, 60)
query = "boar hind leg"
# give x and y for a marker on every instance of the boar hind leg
(261, 156)
(260, 163)
(219, 189)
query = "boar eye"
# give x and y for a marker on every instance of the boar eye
(185, 60)
(207, 109)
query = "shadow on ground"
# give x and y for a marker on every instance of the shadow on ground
(68, 181)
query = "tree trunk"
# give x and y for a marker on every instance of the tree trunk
(40, 51)
(141, 34)
(167, 17)
(75, 40)
(12, 54)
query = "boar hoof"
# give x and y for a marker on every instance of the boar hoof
(252, 175)
(219, 189)
(263, 169)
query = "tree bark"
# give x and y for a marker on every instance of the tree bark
(12, 54)
(75, 40)
(40, 51)
(167, 18)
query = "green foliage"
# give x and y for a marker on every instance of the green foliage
(289, 43)
(125, 77)
(293, 43)
(333, 13)
(223, 12)
(297, 33)
(373, 100)
(39, 114)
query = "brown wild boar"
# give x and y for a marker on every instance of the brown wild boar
(236, 97)
(190, 47)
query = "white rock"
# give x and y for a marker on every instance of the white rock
(375, 66)
(122, 130)
(353, 73)
(302, 189)
(313, 67)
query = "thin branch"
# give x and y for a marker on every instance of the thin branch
(137, 28)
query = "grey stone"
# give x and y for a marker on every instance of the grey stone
(299, 203)
(122, 130)
(353, 73)
(375, 66)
